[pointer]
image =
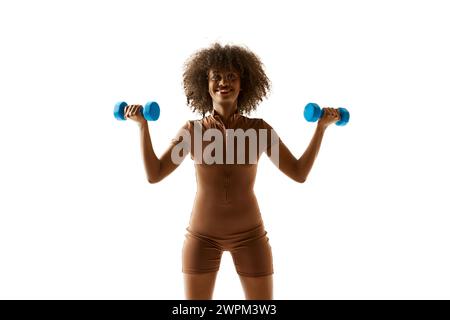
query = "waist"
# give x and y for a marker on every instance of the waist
(228, 194)
(224, 219)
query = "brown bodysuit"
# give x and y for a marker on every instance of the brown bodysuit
(225, 215)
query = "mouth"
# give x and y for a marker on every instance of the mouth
(223, 92)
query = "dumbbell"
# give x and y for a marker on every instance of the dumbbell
(313, 113)
(150, 111)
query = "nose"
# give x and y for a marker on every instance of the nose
(224, 81)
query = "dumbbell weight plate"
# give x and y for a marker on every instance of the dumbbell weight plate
(151, 111)
(119, 110)
(345, 117)
(312, 112)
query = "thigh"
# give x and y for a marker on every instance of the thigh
(200, 255)
(253, 258)
(257, 288)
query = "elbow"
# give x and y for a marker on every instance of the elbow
(300, 179)
(300, 175)
(153, 180)
(154, 176)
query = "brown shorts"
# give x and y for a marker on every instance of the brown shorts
(251, 252)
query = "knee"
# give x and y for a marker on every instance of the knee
(199, 286)
(258, 288)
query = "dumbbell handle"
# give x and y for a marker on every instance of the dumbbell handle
(150, 111)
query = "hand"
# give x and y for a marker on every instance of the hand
(133, 112)
(330, 116)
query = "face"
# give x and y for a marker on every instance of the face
(224, 86)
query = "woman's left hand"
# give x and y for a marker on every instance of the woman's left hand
(330, 116)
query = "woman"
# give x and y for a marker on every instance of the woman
(227, 82)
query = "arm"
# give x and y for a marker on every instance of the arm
(151, 162)
(298, 169)
(157, 169)
(304, 164)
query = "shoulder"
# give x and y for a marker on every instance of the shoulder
(252, 122)
(190, 123)
(186, 125)
(259, 123)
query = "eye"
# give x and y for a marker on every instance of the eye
(229, 77)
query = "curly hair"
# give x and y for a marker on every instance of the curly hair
(255, 84)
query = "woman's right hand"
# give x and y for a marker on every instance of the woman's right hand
(330, 116)
(133, 112)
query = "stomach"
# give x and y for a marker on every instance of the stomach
(222, 213)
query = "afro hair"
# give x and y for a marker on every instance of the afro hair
(255, 84)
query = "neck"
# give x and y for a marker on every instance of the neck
(225, 111)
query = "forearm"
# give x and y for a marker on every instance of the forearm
(151, 161)
(306, 161)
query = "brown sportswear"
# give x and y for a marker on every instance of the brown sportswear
(225, 215)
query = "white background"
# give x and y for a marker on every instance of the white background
(78, 219)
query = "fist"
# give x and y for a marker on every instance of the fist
(330, 116)
(133, 112)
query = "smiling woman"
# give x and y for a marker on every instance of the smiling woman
(227, 82)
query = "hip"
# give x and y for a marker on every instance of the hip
(232, 240)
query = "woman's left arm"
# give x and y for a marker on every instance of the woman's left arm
(298, 169)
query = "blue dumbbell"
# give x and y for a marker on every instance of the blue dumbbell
(150, 111)
(313, 113)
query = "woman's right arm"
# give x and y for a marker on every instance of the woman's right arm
(157, 169)
(151, 162)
